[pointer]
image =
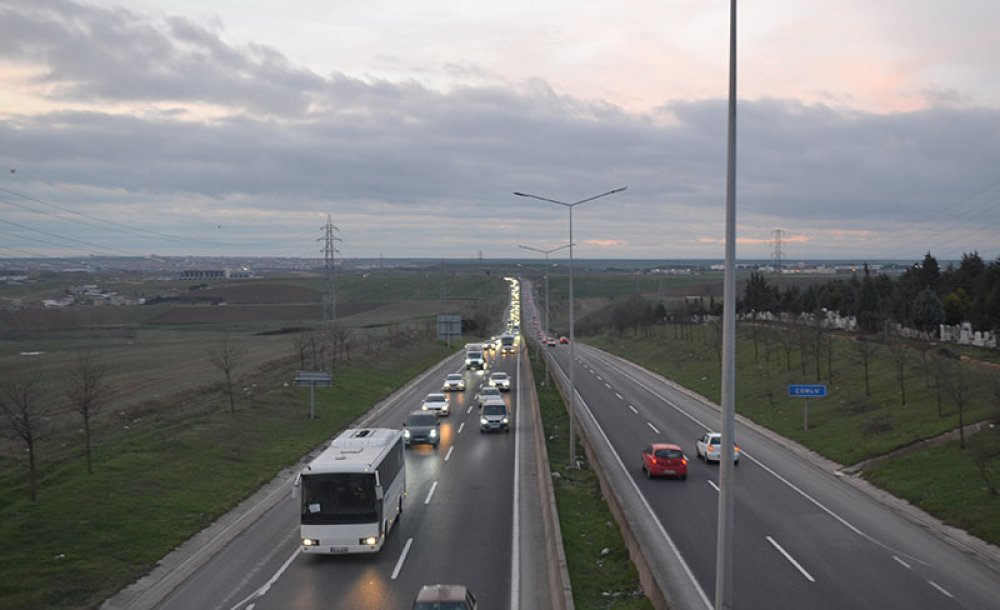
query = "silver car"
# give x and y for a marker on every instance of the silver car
(436, 403)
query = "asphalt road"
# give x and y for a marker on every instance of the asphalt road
(804, 538)
(457, 525)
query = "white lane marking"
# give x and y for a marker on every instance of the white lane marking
(430, 494)
(902, 563)
(402, 558)
(620, 397)
(264, 588)
(652, 427)
(791, 559)
(599, 378)
(940, 588)
(634, 410)
(607, 385)
(251, 606)
(448, 456)
(460, 427)
(469, 410)
(714, 486)
(802, 493)
(515, 543)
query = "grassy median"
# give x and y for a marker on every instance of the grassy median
(600, 570)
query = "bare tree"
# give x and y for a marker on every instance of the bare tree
(899, 355)
(226, 354)
(27, 414)
(87, 389)
(959, 383)
(301, 344)
(865, 349)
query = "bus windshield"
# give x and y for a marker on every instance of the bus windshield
(339, 498)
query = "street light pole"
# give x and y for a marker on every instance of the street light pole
(572, 336)
(724, 547)
(546, 253)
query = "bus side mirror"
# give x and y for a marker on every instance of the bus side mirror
(295, 487)
(379, 493)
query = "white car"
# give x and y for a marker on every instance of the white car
(500, 381)
(438, 403)
(454, 381)
(709, 448)
(486, 393)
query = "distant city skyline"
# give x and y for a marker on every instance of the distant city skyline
(222, 128)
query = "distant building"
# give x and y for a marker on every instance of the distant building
(216, 274)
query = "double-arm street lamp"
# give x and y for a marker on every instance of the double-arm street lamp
(546, 253)
(572, 337)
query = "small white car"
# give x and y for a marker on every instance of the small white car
(500, 381)
(709, 448)
(454, 381)
(438, 403)
(494, 416)
(487, 393)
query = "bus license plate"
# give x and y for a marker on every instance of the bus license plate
(338, 549)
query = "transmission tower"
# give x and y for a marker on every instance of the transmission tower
(329, 250)
(776, 237)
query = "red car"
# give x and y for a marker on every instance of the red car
(563, 340)
(664, 460)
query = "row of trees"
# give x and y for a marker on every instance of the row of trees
(922, 297)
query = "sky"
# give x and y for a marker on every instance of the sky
(865, 130)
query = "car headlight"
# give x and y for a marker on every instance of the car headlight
(309, 542)
(506, 421)
(406, 434)
(433, 433)
(483, 421)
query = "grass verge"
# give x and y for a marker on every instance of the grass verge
(600, 579)
(163, 477)
(945, 482)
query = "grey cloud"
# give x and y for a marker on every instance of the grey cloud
(96, 54)
(400, 157)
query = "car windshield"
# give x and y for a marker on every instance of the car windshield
(669, 453)
(339, 498)
(494, 410)
(499, 376)
(440, 606)
(421, 419)
(435, 398)
(489, 392)
(454, 378)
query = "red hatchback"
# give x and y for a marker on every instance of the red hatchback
(664, 460)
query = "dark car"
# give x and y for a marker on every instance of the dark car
(664, 460)
(445, 597)
(422, 428)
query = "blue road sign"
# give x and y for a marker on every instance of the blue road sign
(807, 391)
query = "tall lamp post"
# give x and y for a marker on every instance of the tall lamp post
(572, 337)
(546, 253)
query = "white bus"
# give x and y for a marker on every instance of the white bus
(352, 493)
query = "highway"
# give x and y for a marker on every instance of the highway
(804, 538)
(457, 526)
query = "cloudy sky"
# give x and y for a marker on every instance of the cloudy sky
(234, 127)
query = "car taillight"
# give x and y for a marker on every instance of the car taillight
(653, 460)
(684, 461)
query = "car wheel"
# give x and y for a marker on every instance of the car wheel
(684, 477)
(736, 462)
(649, 474)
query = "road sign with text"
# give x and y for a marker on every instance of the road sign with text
(807, 391)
